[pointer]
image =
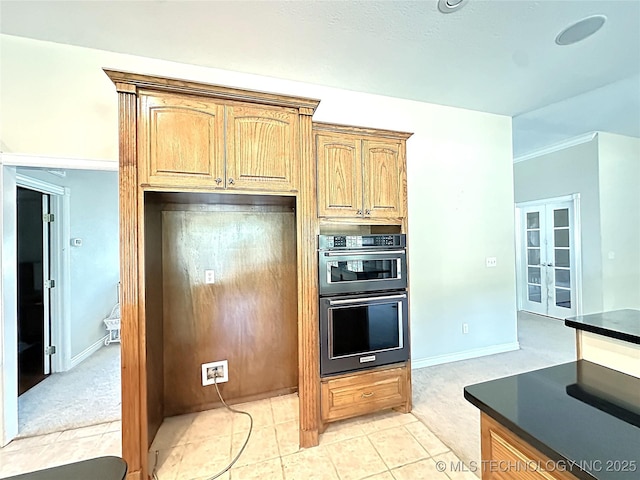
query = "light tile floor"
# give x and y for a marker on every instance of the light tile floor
(384, 446)
(35, 453)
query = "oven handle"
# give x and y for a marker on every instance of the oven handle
(363, 252)
(360, 300)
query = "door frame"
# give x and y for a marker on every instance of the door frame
(8, 280)
(576, 238)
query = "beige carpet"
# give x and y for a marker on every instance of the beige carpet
(438, 391)
(85, 395)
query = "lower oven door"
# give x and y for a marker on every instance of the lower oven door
(363, 331)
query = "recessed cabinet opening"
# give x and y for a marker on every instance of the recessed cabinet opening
(220, 283)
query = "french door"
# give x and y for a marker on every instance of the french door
(548, 273)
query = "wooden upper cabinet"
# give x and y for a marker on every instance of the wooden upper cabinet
(181, 141)
(339, 175)
(190, 141)
(361, 172)
(262, 148)
(384, 177)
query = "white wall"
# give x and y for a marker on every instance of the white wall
(94, 267)
(459, 175)
(619, 170)
(568, 171)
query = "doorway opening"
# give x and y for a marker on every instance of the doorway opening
(82, 385)
(33, 251)
(549, 257)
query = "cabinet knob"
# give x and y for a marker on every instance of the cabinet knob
(218, 180)
(359, 212)
(367, 212)
(231, 181)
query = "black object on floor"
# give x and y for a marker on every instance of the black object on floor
(101, 468)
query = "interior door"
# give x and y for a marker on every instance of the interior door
(33, 293)
(548, 259)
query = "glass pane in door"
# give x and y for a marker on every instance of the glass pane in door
(533, 238)
(533, 220)
(561, 237)
(561, 217)
(563, 278)
(563, 298)
(535, 293)
(533, 256)
(562, 257)
(534, 275)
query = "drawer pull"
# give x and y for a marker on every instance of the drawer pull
(367, 395)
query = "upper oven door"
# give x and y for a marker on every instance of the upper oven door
(354, 271)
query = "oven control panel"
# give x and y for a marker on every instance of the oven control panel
(329, 242)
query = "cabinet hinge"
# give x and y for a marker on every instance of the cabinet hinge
(50, 350)
(49, 283)
(48, 217)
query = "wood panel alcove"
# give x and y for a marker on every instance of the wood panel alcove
(223, 179)
(171, 322)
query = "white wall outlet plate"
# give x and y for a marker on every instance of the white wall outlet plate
(491, 262)
(208, 369)
(209, 277)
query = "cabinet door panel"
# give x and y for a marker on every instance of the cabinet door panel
(262, 148)
(339, 175)
(384, 178)
(181, 141)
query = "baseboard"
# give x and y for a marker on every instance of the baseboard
(87, 352)
(465, 355)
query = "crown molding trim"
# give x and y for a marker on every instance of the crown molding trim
(554, 147)
(26, 160)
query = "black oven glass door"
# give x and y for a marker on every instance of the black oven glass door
(362, 331)
(344, 272)
(368, 328)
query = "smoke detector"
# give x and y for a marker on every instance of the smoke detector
(580, 30)
(450, 6)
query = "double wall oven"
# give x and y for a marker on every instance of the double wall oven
(363, 301)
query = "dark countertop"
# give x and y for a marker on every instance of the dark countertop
(575, 412)
(619, 324)
(101, 468)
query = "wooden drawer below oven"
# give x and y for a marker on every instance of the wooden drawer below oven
(365, 392)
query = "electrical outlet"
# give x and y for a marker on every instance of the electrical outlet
(465, 328)
(491, 262)
(215, 372)
(209, 277)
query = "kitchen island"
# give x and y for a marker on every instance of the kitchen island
(575, 420)
(610, 338)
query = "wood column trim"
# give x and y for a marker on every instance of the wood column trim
(308, 335)
(131, 365)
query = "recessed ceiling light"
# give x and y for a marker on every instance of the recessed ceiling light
(449, 6)
(581, 30)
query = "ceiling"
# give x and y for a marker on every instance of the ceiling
(492, 55)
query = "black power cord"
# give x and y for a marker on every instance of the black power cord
(154, 473)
